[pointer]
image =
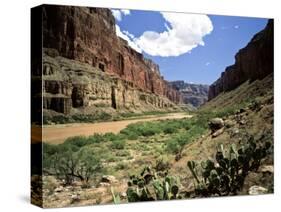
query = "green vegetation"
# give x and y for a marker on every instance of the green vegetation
(97, 117)
(145, 113)
(118, 144)
(221, 177)
(79, 118)
(151, 138)
(152, 185)
(228, 176)
(68, 162)
(146, 152)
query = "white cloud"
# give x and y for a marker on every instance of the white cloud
(128, 37)
(183, 33)
(119, 13)
(236, 27)
(186, 32)
(126, 12)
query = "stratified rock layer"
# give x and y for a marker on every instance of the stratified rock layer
(87, 36)
(194, 94)
(255, 61)
(70, 87)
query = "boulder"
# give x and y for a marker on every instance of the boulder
(108, 179)
(217, 133)
(256, 190)
(104, 184)
(123, 194)
(59, 189)
(229, 123)
(267, 169)
(216, 124)
(75, 197)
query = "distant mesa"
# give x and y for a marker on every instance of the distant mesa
(194, 94)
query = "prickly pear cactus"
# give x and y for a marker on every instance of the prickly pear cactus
(150, 185)
(226, 175)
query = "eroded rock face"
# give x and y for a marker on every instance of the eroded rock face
(88, 35)
(255, 61)
(73, 87)
(194, 94)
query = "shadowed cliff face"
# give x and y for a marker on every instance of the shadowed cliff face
(255, 61)
(88, 35)
(194, 94)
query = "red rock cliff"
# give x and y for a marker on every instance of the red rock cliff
(88, 35)
(255, 61)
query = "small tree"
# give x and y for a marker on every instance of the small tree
(67, 164)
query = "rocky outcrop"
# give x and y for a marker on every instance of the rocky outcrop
(87, 36)
(194, 94)
(72, 87)
(255, 61)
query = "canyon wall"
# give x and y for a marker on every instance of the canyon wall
(253, 62)
(87, 36)
(194, 94)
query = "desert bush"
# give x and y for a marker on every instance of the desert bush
(58, 119)
(141, 129)
(172, 146)
(78, 141)
(81, 118)
(118, 144)
(171, 127)
(162, 165)
(96, 138)
(67, 162)
(176, 143)
(121, 166)
(111, 136)
(123, 153)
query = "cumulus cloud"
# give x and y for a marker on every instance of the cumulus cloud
(126, 12)
(186, 31)
(119, 13)
(128, 37)
(183, 33)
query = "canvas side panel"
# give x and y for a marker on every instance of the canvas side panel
(36, 106)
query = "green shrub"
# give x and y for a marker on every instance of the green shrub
(171, 127)
(78, 141)
(67, 164)
(141, 129)
(123, 153)
(173, 146)
(111, 136)
(121, 166)
(177, 142)
(96, 138)
(118, 144)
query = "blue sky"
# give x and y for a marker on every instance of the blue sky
(191, 48)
